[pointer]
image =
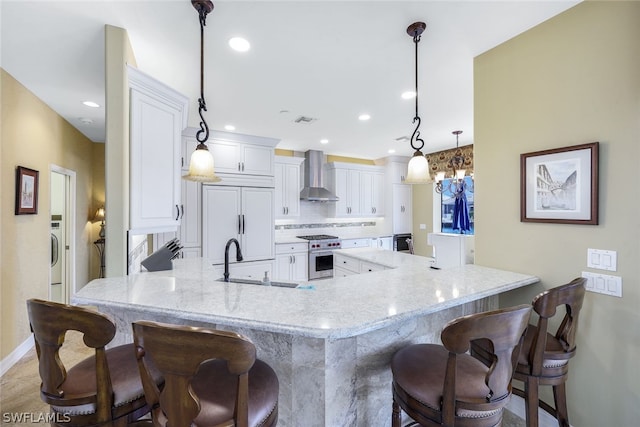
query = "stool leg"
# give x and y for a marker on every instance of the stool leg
(560, 399)
(531, 401)
(395, 415)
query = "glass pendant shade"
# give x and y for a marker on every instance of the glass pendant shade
(418, 169)
(460, 173)
(201, 166)
(440, 176)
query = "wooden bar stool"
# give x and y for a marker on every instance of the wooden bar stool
(544, 359)
(443, 386)
(212, 378)
(104, 389)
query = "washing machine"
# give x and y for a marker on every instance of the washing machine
(56, 261)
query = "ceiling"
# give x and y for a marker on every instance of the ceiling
(327, 60)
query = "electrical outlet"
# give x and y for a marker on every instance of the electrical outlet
(603, 283)
(601, 259)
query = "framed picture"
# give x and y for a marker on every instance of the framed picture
(26, 191)
(560, 185)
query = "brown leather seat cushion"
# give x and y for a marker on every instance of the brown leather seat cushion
(215, 387)
(125, 379)
(553, 346)
(420, 370)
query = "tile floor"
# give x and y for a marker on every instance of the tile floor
(20, 384)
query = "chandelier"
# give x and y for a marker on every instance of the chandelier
(458, 172)
(418, 169)
(201, 164)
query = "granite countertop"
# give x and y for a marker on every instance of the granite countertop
(333, 309)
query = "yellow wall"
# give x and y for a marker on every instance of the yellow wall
(34, 136)
(574, 79)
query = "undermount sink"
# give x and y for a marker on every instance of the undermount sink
(259, 282)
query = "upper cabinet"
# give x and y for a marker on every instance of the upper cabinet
(360, 189)
(399, 196)
(158, 114)
(287, 184)
(242, 154)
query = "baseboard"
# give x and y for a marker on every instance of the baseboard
(16, 355)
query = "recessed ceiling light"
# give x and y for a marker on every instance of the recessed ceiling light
(364, 117)
(229, 127)
(239, 44)
(85, 120)
(391, 151)
(324, 141)
(408, 94)
(91, 104)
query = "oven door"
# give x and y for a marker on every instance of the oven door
(320, 264)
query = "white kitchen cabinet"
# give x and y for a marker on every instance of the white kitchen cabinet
(396, 170)
(243, 213)
(241, 158)
(372, 193)
(190, 230)
(287, 183)
(292, 261)
(346, 265)
(360, 189)
(158, 114)
(402, 208)
(385, 242)
(355, 243)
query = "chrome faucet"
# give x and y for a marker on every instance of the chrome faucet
(226, 257)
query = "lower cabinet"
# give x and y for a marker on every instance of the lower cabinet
(292, 261)
(355, 243)
(345, 266)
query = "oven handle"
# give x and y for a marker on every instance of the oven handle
(321, 253)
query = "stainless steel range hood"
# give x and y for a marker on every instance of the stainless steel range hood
(314, 190)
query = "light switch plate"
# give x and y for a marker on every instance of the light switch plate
(601, 259)
(603, 283)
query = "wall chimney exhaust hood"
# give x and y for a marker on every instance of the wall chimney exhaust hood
(314, 190)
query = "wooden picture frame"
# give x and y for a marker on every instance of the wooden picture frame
(560, 185)
(26, 191)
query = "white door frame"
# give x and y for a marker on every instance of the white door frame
(70, 229)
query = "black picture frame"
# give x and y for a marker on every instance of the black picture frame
(26, 191)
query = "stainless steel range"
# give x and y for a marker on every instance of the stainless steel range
(321, 248)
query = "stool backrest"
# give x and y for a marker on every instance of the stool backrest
(571, 296)
(177, 352)
(49, 323)
(504, 329)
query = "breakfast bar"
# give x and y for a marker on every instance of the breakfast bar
(329, 341)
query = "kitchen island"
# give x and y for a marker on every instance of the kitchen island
(330, 343)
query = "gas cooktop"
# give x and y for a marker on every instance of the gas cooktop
(318, 237)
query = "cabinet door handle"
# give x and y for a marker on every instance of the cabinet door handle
(287, 210)
(181, 211)
(293, 258)
(283, 211)
(239, 169)
(242, 223)
(239, 224)
(177, 212)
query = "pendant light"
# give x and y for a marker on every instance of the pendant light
(418, 169)
(201, 164)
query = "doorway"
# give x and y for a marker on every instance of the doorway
(62, 230)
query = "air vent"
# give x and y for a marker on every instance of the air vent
(402, 139)
(305, 120)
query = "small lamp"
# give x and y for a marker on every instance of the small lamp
(99, 216)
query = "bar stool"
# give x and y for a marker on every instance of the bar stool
(212, 378)
(544, 359)
(443, 386)
(104, 389)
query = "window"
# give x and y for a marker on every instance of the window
(447, 205)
